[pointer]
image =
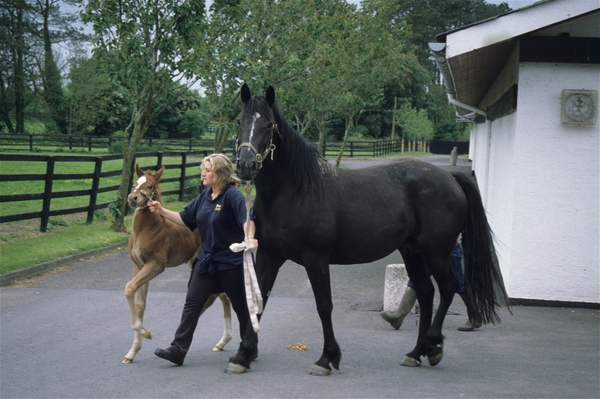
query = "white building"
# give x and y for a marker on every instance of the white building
(529, 80)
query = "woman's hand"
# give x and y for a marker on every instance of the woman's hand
(154, 206)
(253, 243)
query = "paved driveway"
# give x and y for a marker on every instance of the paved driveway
(65, 333)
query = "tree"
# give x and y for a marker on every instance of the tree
(429, 18)
(416, 127)
(95, 104)
(16, 29)
(153, 50)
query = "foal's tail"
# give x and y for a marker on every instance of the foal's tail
(483, 279)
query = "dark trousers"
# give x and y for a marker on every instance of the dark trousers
(199, 289)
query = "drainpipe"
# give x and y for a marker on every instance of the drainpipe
(439, 54)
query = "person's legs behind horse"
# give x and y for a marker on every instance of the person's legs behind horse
(455, 260)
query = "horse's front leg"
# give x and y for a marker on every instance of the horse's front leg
(140, 331)
(136, 292)
(267, 268)
(318, 274)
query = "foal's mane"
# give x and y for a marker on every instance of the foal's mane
(300, 161)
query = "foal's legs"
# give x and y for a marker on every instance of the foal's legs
(136, 292)
(228, 329)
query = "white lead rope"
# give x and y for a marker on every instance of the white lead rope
(253, 295)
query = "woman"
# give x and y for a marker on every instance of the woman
(219, 214)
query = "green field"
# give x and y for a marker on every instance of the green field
(30, 187)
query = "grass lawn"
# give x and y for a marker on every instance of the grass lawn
(29, 248)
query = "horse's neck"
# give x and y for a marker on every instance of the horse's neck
(143, 219)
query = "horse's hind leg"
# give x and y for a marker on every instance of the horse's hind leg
(228, 328)
(419, 276)
(447, 285)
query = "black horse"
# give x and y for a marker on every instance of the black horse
(314, 214)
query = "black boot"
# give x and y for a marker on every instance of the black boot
(172, 354)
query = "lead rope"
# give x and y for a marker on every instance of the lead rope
(253, 295)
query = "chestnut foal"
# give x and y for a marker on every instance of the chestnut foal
(154, 245)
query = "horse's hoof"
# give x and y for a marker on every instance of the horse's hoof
(410, 362)
(435, 359)
(127, 360)
(147, 334)
(233, 368)
(319, 371)
(217, 348)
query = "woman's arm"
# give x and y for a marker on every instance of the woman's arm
(175, 217)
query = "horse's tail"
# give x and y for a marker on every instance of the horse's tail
(483, 279)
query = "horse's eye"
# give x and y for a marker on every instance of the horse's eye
(150, 187)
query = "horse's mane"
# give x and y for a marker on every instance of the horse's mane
(301, 162)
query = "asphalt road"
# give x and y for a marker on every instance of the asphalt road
(65, 333)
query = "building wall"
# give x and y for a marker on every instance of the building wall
(555, 246)
(540, 184)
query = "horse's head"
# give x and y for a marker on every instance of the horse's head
(145, 188)
(257, 126)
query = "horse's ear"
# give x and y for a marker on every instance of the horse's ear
(138, 171)
(159, 173)
(270, 96)
(246, 95)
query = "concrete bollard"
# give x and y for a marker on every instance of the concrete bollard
(396, 279)
(453, 156)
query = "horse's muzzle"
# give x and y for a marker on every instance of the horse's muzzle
(247, 166)
(133, 199)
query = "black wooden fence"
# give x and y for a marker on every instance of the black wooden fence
(152, 161)
(38, 142)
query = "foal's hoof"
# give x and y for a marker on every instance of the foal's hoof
(234, 368)
(147, 334)
(127, 360)
(410, 362)
(319, 371)
(435, 359)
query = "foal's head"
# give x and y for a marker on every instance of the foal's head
(145, 188)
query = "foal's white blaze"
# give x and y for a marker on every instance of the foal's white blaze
(255, 117)
(140, 181)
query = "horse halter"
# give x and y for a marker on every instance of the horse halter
(259, 157)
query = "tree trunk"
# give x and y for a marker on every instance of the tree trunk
(349, 124)
(140, 127)
(19, 72)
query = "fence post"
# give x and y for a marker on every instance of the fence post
(351, 149)
(190, 146)
(70, 143)
(31, 142)
(94, 194)
(47, 194)
(159, 160)
(182, 175)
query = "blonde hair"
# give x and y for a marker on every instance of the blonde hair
(222, 169)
